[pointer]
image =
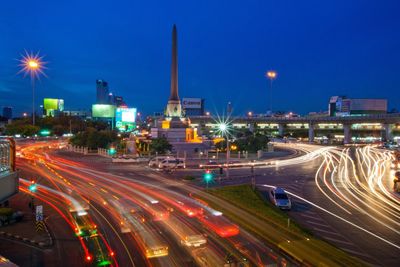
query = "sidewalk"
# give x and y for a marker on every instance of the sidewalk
(25, 230)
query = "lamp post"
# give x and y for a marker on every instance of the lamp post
(271, 75)
(223, 127)
(32, 65)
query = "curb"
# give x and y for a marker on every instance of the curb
(40, 244)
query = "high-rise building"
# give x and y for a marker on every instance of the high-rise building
(102, 92)
(343, 106)
(7, 112)
(119, 101)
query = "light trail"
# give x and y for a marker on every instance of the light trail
(338, 217)
(368, 195)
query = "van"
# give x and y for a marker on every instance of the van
(155, 162)
(172, 163)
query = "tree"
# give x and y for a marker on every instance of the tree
(21, 127)
(93, 138)
(160, 145)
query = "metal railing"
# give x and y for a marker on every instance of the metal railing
(6, 159)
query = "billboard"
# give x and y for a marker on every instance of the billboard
(192, 103)
(53, 104)
(103, 111)
(125, 119)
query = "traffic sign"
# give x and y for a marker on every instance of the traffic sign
(39, 213)
(39, 226)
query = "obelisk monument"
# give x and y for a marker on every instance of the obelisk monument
(174, 108)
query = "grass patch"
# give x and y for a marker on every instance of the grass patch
(271, 225)
(6, 212)
(188, 178)
(252, 201)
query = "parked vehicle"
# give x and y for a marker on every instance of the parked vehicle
(280, 199)
(172, 163)
(155, 162)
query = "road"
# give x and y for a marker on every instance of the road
(106, 194)
(344, 196)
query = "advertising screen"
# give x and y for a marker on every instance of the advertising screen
(125, 119)
(51, 103)
(103, 111)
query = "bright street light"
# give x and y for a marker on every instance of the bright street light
(32, 65)
(271, 75)
(223, 127)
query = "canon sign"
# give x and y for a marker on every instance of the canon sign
(191, 103)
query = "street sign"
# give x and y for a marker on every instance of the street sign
(39, 213)
(39, 226)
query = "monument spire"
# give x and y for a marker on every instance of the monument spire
(174, 66)
(174, 108)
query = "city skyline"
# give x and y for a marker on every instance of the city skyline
(221, 58)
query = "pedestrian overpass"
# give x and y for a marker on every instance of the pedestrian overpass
(8, 173)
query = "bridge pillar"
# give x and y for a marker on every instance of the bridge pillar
(311, 132)
(387, 131)
(347, 133)
(281, 129)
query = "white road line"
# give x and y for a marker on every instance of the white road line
(341, 218)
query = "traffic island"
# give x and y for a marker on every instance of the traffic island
(26, 230)
(247, 208)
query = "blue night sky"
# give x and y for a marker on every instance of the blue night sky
(319, 48)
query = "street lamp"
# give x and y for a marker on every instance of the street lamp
(271, 75)
(32, 65)
(224, 129)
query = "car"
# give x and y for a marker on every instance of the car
(280, 199)
(194, 241)
(155, 162)
(172, 163)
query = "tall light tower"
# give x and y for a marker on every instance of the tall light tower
(223, 128)
(31, 64)
(271, 76)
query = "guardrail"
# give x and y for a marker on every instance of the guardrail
(8, 175)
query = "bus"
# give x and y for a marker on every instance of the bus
(84, 226)
(99, 253)
(126, 209)
(187, 236)
(220, 225)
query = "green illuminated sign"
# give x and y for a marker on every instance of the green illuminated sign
(44, 132)
(103, 111)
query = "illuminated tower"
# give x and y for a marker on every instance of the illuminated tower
(174, 108)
